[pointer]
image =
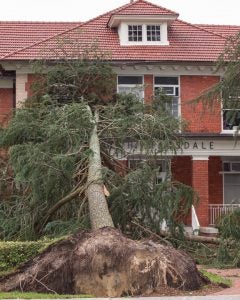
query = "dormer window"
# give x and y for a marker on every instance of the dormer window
(149, 33)
(145, 33)
(135, 33)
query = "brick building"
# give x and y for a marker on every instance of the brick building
(151, 49)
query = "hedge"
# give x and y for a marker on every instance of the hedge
(13, 254)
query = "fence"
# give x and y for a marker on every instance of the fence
(216, 211)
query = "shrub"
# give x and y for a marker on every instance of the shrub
(12, 254)
(229, 225)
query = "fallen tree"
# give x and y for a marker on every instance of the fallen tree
(104, 263)
(57, 142)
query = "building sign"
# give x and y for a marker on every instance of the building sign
(190, 147)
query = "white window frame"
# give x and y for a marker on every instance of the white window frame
(162, 174)
(174, 88)
(231, 172)
(133, 86)
(235, 128)
(231, 169)
(231, 131)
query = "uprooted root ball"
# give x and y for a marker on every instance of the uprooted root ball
(104, 263)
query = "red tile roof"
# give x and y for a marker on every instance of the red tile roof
(187, 42)
(17, 35)
(224, 30)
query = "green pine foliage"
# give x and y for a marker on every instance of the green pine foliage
(142, 199)
(229, 225)
(228, 253)
(46, 145)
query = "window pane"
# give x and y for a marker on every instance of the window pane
(226, 167)
(168, 90)
(168, 85)
(176, 91)
(231, 119)
(236, 167)
(172, 106)
(137, 91)
(135, 33)
(231, 188)
(166, 80)
(153, 33)
(130, 80)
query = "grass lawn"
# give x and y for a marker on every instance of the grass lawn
(19, 295)
(217, 279)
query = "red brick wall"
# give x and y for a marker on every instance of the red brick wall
(6, 104)
(215, 181)
(207, 182)
(199, 119)
(200, 179)
(148, 88)
(31, 79)
(181, 168)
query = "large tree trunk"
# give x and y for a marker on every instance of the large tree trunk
(98, 208)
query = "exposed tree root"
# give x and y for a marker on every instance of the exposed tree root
(104, 263)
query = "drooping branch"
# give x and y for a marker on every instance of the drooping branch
(192, 238)
(78, 192)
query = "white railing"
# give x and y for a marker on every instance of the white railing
(216, 211)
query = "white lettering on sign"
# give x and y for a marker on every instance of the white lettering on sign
(198, 145)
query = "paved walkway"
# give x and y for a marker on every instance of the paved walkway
(234, 275)
(236, 297)
(211, 297)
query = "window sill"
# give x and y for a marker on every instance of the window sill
(145, 43)
(233, 132)
(230, 172)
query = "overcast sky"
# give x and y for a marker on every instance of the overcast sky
(194, 11)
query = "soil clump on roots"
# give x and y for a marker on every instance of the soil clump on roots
(104, 263)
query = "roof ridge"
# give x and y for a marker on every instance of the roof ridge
(203, 29)
(63, 32)
(158, 6)
(225, 25)
(124, 6)
(147, 2)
